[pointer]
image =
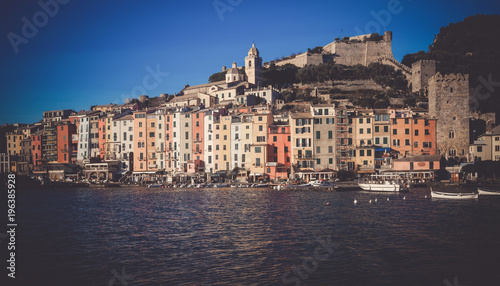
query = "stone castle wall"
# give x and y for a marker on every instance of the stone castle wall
(302, 60)
(449, 104)
(421, 72)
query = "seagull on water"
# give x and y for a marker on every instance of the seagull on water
(404, 197)
(387, 199)
(375, 199)
(426, 196)
(370, 201)
(355, 201)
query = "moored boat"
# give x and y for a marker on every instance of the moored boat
(487, 192)
(447, 195)
(382, 183)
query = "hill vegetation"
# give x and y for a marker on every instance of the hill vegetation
(470, 47)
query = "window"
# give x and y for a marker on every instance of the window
(258, 149)
(377, 140)
(416, 132)
(395, 142)
(427, 132)
(360, 130)
(361, 121)
(286, 149)
(187, 135)
(407, 131)
(368, 130)
(318, 161)
(394, 132)
(384, 140)
(394, 121)
(497, 138)
(377, 129)
(275, 138)
(318, 135)
(243, 158)
(140, 124)
(361, 153)
(225, 137)
(407, 121)
(415, 144)
(368, 120)
(497, 148)
(261, 128)
(151, 134)
(368, 152)
(260, 118)
(451, 134)
(140, 135)
(318, 149)
(257, 162)
(407, 142)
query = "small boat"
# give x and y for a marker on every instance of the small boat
(321, 183)
(487, 192)
(155, 186)
(445, 195)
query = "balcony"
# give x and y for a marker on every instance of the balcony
(303, 157)
(152, 166)
(197, 140)
(366, 168)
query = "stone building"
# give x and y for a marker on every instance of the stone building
(449, 104)
(421, 72)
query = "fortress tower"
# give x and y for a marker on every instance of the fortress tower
(421, 71)
(449, 104)
(253, 66)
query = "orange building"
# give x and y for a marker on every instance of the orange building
(279, 151)
(65, 144)
(412, 135)
(102, 136)
(36, 148)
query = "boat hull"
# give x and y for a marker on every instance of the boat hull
(455, 196)
(489, 193)
(380, 187)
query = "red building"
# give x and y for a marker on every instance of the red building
(412, 136)
(279, 151)
(65, 145)
(102, 137)
(36, 148)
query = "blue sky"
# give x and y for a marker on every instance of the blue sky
(90, 52)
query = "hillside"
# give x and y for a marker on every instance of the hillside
(473, 47)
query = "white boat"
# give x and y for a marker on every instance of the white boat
(487, 192)
(155, 186)
(321, 183)
(445, 195)
(383, 183)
